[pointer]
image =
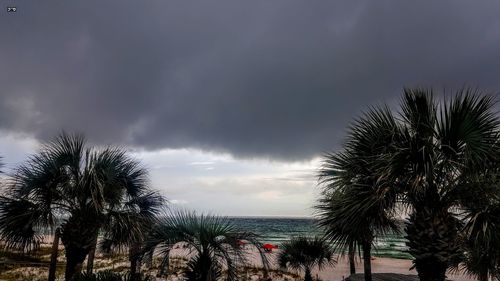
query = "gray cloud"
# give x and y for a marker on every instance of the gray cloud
(275, 79)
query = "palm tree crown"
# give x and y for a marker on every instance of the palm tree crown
(87, 189)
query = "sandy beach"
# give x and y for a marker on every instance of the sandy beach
(379, 265)
(340, 270)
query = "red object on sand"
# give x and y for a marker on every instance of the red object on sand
(269, 247)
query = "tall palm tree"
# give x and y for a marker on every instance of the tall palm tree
(355, 206)
(90, 190)
(303, 253)
(214, 242)
(432, 159)
(443, 149)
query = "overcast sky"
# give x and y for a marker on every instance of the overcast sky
(229, 103)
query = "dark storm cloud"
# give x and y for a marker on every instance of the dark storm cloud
(278, 79)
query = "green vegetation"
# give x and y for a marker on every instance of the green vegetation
(439, 161)
(303, 253)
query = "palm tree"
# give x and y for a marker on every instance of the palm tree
(89, 190)
(214, 242)
(431, 160)
(444, 149)
(303, 253)
(355, 206)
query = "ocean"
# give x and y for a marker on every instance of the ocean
(278, 230)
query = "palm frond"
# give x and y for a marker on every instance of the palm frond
(419, 111)
(468, 130)
(21, 222)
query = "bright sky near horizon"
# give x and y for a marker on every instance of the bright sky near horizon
(229, 103)
(211, 182)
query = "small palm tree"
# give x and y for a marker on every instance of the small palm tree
(303, 253)
(89, 190)
(214, 241)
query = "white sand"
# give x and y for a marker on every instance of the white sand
(340, 270)
(331, 273)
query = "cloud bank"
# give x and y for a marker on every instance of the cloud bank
(257, 79)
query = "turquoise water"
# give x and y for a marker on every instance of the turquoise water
(278, 230)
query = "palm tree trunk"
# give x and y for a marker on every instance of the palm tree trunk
(307, 275)
(352, 265)
(432, 241)
(367, 260)
(53, 255)
(90, 259)
(135, 264)
(75, 256)
(78, 236)
(204, 264)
